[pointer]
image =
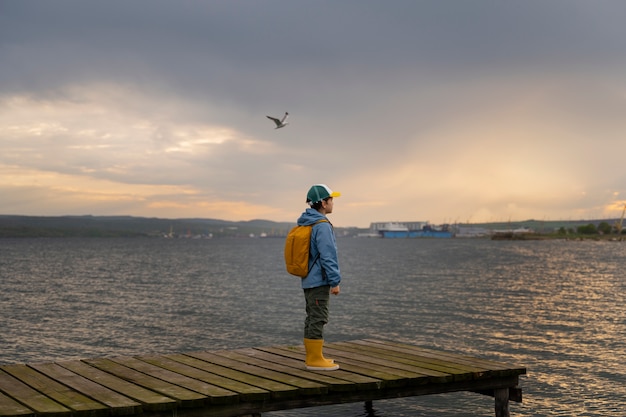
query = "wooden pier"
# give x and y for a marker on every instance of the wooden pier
(247, 382)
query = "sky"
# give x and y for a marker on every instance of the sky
(430, 110)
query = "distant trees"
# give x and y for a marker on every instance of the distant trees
(589, 229)
(605, 228)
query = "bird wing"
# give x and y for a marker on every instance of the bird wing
(278, 123)
(284, 117)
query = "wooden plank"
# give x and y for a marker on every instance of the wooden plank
(440, 371)
(353, 396)
(150, 400)
(296, 358)
(183, 396)
(338, 380)
(118, 404)
(462, 369)
(385, 378)
(75, 401)
(229, 383)
(277, 372)
(455, 357)
(235, 389)
(10, 407)
(305, 387)
(212, 392)
(462, 365)
(436, 358)
(382, 365)
(276, 389)
(289, 367)
(422, 351)
(30, 397)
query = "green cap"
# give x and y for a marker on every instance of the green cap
(319, 192)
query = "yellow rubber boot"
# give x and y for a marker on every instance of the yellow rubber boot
(324, 357)
(315, 361)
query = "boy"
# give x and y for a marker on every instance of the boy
(324, 276)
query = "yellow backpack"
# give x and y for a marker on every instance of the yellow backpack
(297, 247)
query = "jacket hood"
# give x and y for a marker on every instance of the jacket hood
(310, 216)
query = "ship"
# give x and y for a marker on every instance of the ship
(411, 230)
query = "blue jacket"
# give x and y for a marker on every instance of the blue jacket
(323, 269)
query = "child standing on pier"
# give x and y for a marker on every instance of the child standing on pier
(323, 278)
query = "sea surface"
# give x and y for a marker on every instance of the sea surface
(555, 307)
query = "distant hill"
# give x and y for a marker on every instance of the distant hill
(129, 226)
(541, 226)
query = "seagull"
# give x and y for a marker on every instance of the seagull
(280, 123)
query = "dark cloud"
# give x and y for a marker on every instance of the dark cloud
(203, 42)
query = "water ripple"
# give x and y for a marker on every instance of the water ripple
(554, 307)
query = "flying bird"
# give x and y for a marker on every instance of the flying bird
(280, 123)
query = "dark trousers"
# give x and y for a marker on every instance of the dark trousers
(317, 300)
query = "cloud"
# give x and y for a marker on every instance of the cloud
(414, 110)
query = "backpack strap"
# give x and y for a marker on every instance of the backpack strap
(317, 222)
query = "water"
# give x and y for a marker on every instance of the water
(555, 307)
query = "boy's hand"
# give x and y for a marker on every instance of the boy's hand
(335, 290)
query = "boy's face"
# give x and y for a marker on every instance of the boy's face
(328, 205)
